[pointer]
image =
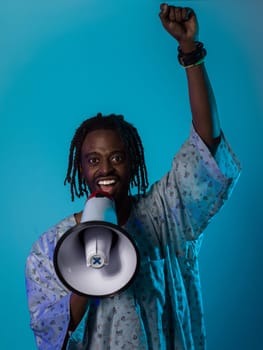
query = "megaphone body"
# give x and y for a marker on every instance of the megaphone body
(96, 257)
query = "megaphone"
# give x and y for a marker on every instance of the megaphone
(96, 257)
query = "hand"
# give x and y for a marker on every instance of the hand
(181, 23)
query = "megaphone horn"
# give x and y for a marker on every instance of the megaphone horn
(96, 257)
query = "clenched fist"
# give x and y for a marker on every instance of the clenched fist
(181, 23)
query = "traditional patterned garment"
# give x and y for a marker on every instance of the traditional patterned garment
(162, 308)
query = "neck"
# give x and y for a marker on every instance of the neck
(123, 210)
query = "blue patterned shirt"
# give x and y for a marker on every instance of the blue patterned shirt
(162, 308)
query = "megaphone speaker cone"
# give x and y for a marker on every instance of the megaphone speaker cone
(96, 258)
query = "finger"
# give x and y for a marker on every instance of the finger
(164, 12)
(187, 13)
(190, 20)
(178, 14)
(172, 14)
(163, 6)
(164, 9)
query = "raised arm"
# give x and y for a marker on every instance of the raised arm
(182, 24)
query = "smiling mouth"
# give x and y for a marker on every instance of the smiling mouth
(106, 182)
(107, 185)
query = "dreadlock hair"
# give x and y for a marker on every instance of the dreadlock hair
(132, 141)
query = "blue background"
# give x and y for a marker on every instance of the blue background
(62, 61)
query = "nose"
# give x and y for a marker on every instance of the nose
(105, 167)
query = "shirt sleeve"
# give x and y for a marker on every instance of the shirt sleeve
(197, 186)
(48, 299)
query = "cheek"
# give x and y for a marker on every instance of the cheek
(86, 173)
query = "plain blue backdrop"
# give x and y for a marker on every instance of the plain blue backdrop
(62, 61)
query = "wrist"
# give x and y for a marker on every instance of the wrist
(192, 58)
(187, 46)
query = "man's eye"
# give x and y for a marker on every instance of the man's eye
(117, 158)
(93, 161)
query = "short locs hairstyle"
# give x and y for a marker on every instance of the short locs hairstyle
(131, 140)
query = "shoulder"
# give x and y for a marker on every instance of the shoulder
(46, 243)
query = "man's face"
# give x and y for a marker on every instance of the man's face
(105, 165)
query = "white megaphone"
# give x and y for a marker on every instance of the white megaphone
(96, 257)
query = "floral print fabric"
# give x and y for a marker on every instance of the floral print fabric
(162, 308)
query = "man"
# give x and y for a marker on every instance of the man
(162, 309)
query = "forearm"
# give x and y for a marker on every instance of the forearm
(202, 100)
(182, 24)
(78, 306)
(203, 105)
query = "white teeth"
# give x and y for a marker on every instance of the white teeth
(106, 182)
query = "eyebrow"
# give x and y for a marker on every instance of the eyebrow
(94, 153)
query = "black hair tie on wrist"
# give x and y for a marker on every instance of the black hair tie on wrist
(192, 58)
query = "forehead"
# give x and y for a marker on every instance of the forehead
(103, 140)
